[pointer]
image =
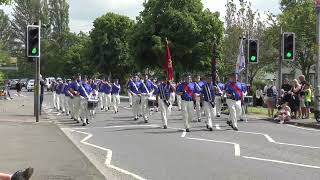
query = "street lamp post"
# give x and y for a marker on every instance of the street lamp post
(317, 82)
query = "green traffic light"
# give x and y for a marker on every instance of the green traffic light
(34, 51)
(289, 55)
(253, 58)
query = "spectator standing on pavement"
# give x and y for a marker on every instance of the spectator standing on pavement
(18, 88)
(308, 98)
(42, 85)
(7, 90)
(303, 108)
(259, 97)
(286, 87)
(270, 92)
(295, 101)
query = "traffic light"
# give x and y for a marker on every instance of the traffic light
(288, 49)
(33, 41)
(253, 51)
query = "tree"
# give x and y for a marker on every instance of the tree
(109, 44)
(190, 29)
(6, 2)
(59, 16)
(300, 17)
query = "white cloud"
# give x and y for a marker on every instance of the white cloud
(84, 12)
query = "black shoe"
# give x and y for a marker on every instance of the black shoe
(130, 105)
(210, 129)
(218, 115)
(207, 126)
(145, 121)
(102, 109)
(22, 175)
(235, 128)
(229, 123)
(84, 124)
(199, 120)
(87, 121)
(187, 130)
(136, 118)
(165, 127)
(108, 108)
(241, 120)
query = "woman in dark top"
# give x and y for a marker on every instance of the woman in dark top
(295, 101)
(286, 88)
(19, 87)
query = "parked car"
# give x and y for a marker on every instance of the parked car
(24, 82)
(48, 81)
(30, 85)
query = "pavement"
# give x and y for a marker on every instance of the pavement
(40, 145)
(118, 145)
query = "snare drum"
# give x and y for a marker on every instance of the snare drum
(92, 104)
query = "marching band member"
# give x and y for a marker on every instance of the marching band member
(188, 91)
(146, 89)
(198, 83)
(106, 88)
(94, 95)
(116, 95)
(129, 94)
(179, 97)
(101, 94)
(172, 98)
(218, 96)
(85, 90)
(234, 96)
(54, 93)
(208, 93)
(58, 92)
(163, 91)
(74, 89)
(62, 95)
(67, 101)
(134, 91)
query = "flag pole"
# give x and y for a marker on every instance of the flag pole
(214, 62)
(167, 70)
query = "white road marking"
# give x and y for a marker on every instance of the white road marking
(282, 162)
(123, 126)
(256, 133)
(108, 156)
(309, 129)
(280, 143)
(59, 114)
(127, 108)
(217, 126)
(184, 133)
(236, 146)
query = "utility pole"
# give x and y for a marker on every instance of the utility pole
(317, 94)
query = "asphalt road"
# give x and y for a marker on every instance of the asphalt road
(260, 150)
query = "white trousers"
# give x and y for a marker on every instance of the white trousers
(179, 101)
(172, 99)
(164, 111)
(67, 104)
(107, 101)
(101, 99)
(198, 107)
(144, 107)
(84, 109)
(234, 111)
(116, 102)
(187, 112)
(62, 102)
(210, 112)
(218, 101)
(54, 99)
(58, 101)
(130, 98)
(76, 107)
(136, 105)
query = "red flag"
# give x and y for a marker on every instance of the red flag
(168, 68)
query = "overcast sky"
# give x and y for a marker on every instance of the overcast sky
(83, 12)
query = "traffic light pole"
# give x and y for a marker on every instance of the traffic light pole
(37, 89)
(280, 64)
(317, 93)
